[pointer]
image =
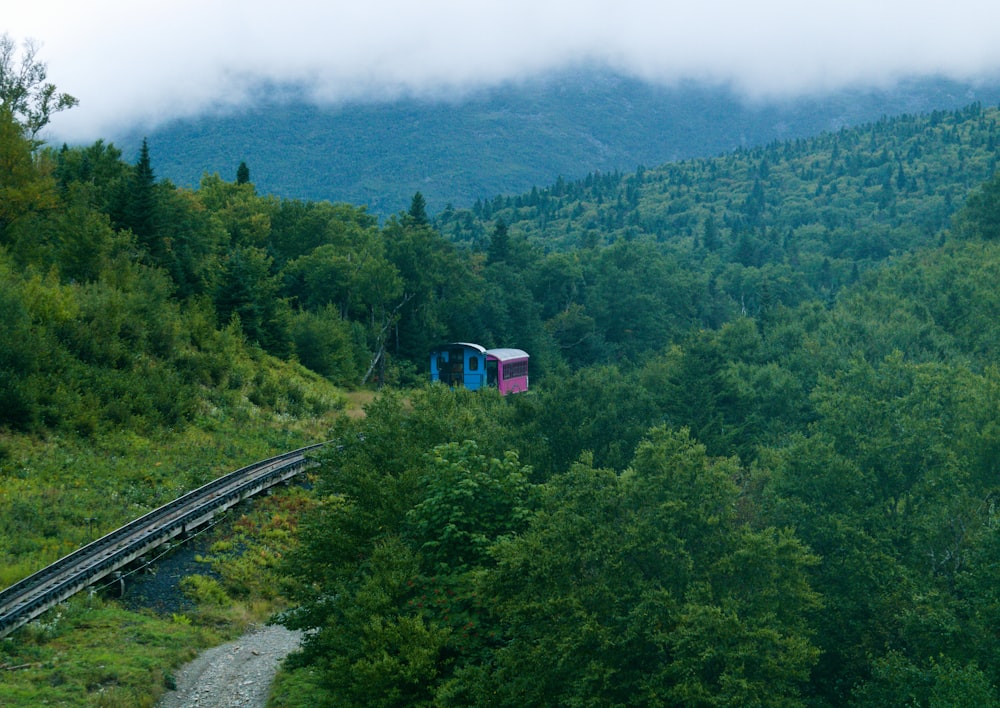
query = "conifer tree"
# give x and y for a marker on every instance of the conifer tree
(417, 214)
(499, 248)
(711, 237)
(137, 211)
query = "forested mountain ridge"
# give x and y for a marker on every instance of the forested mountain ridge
(615, 268)
(504, 140)
(710, 239)
(862, 181)
(758, 464)
(788, 501)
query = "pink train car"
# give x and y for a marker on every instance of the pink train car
(507, 369)
(472, 366)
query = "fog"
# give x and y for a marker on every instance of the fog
(137, 63)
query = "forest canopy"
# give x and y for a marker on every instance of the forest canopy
(758, 464)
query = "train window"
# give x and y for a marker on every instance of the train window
(515, 369)
(473, 364)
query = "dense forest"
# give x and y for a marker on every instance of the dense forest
(758, 464)
(504, 139)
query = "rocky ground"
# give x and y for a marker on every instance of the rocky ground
(237, 674)
(156, 587)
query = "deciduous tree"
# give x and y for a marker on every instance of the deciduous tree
(647, 587)
(24, 92)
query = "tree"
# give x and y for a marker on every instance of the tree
(242, 174)
(755, 204)
(468, 502)
(191, 242)
(98, 167)
(639, 297)
(944, 682)
(981, 215)
(138, 206)
(23, 89)
(891, 485)
(438, 286)
(298, 227)
(248, 292)
(711, 237)
(369, 650)
(324, 344)
(20, 352)
(417, 213)
(596, 409)
(24, 188)
(694, 389)
(648, 587)
(246, 216)
(386, 572)
(499, 248)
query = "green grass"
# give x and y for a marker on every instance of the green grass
(90, 651)
(58, 493)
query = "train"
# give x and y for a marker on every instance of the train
(471, 366)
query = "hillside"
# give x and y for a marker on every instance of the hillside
(781, 224)
(510, 138)
(908, 170)
(758, 460)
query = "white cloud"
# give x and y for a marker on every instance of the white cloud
(132, 61)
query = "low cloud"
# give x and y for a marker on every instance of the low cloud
(141, 63)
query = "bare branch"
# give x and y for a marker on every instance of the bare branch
(388, 320)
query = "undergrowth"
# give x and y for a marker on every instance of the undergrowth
(90, 650)
(59, 493)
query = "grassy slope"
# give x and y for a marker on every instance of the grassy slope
(57, 493)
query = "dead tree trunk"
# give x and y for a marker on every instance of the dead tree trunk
(389, 319)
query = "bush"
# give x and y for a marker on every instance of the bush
(205, 591)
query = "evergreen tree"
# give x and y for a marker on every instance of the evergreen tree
(499, 248)
(711, 238)
(418, 210)
(242, 174)
(138, 204)
(981, 215)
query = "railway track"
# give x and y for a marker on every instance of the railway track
(27, 599)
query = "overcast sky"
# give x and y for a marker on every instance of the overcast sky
(138, 61)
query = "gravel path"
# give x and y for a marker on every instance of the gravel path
(237, 674)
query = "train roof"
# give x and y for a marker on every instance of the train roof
(467, 345)
(507, 354)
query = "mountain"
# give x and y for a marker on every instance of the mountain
(509, 138)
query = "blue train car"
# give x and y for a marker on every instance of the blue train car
(472, 366)
(459, 364)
